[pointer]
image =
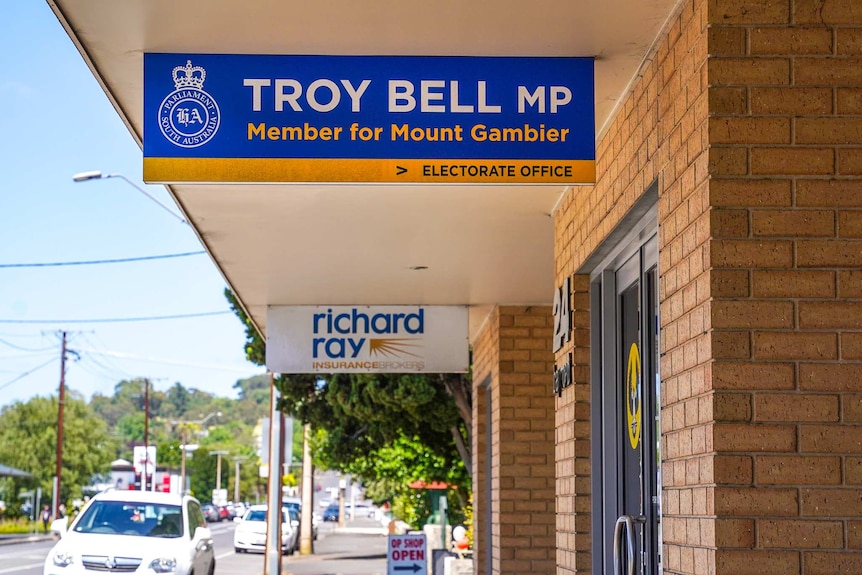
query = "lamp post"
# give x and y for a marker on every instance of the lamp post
(184, 430)
(97, 175)
(237, 460)
(218, 455)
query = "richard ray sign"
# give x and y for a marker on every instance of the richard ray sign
(434, 119)
(374, 339)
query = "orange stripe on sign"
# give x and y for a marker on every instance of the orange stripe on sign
(304, 170)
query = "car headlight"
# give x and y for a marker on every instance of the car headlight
(62, 558)
(164, 565)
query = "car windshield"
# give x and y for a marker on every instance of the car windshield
(256, 515)
(131, 518)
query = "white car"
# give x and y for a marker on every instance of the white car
(250, 532)
(135, 532)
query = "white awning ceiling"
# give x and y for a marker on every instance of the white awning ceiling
(279, 244)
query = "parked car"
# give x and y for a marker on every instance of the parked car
(331, 512)
(250, 532)
(135, 531)
(295, 503)
(210, 512)
(225, 513)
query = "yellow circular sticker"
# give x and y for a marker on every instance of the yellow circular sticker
(633, 396)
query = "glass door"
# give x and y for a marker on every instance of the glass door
(627, 494)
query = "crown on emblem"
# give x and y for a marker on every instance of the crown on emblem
(189, 76)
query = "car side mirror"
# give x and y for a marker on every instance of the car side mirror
(294, 523)
(237, 519)
(202, 534)
(58, 527)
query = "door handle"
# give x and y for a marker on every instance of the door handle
(628, 522)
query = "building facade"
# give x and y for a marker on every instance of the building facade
(713, 424)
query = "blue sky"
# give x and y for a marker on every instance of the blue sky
(55, 121)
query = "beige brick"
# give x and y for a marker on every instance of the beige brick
(831, 502)
(780, 41)
(851, 346)
(827, 314)
(850, 284)
(744, 71)
(790, 534)
(830, 563)
(761, 501)
(829, 253)
(791, 101)
(724, 283)
(826, 13)
(851, 408)
(754, 437)
(849, 101)
(827, 131)
(854, 534)
(828, 193)
(792, 161)
(839, 439)
(793, 284)
(749, 130)
(730, 345)
(789, 407)
(726, 41)
(797, 470)
(752, 314)
(728, 161)
(827, 71)
(853, 470)
(732, 469)
(748, 12)
(753, 376)
(750, 193)
(728, 100)
(848, 41)
(810, 223)
(850, 224)
(751, 253)
(798, 345)
(756, 562)
(848, 161)
(830, 377)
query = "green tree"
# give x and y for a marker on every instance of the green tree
(28, 441)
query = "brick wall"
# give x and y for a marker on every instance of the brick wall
(748, 114)
(659, 132)
(513, 350)
(785, 133)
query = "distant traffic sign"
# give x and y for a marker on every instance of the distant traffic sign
(407, 555)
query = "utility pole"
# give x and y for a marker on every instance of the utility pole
(61, 400)
(183, 460)
(146, 435)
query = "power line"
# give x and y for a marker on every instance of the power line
(117, 319)
(26, 373)
(97, 262)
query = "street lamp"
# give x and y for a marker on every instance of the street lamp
(237, 460)
(97, 175)
(218, 454)
(185, 429)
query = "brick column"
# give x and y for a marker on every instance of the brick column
(786, 249)
(513, 353)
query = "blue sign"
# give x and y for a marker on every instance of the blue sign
(247, 118)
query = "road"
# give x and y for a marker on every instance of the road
(349, 551)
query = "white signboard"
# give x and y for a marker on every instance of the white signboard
(367, 339)
(407, 555)
(144, 457)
